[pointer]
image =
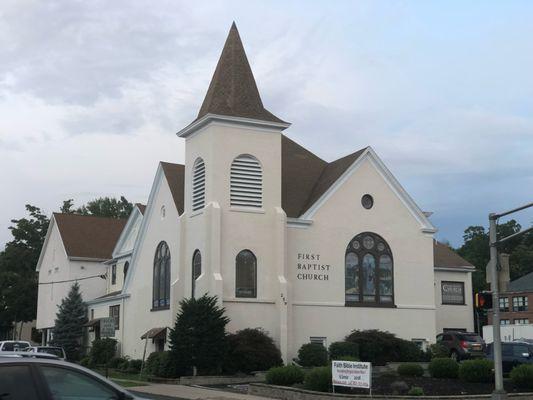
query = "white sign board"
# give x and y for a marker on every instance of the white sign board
(352, 374)
(107, 327)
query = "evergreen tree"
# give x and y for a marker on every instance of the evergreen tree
(68, 329)
(198, 339)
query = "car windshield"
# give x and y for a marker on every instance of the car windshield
(469, 338)
(15, 346)
(56, 351)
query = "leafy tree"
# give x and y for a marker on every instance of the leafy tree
(105, 207)
(66, 208)
(68, 328)
(198, 340)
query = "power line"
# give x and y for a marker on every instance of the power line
(103, 276)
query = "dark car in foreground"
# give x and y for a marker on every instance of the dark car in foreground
(513, 354)
(34, 376)
(462, 345)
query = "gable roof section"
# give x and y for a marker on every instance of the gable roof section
(141, 207)
(175, 176)
(86, 236)
(233, 91)
(522, 284)
(445, 257)
(306, 177)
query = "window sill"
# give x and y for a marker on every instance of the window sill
(453, 304)
(161, 308)
(251, 210)
(369, 305)
(197, 212)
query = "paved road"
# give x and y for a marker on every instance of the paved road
(167, 392)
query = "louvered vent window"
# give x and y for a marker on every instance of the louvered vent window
(198, 185)
(246, 182)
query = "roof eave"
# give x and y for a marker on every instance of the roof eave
(463, 268)
(250, 122)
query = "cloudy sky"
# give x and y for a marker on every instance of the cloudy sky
(92, 93)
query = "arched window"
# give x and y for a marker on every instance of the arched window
(196, 269)
(245, 274)
(125, 270)
(368, 271)
(246, 182)
(198, 185)
(161, 282)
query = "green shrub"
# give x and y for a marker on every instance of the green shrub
(379, 347)
(480, 370)
(318, 379)
(443, 368)
(285, 376)
(161, 364)
(339, 351)
(438, 350)
(86, 362)
(410, 369)
(152, 363)
(134, 366)
(522, 376)
(116, 362)
(312, 355)
(415, 391)
(103, 350)
(251, 350)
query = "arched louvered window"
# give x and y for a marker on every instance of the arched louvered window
(246, 182)
(125, 270)
(196, 269)
(245, 274)
(161, 279)
(198, 185)
(368, 271)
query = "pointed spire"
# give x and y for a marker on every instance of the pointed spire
(232, 91)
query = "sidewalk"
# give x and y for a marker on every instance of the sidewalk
(192, 392)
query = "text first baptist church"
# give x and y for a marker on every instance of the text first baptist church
(306, 249)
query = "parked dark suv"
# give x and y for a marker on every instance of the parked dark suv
(462, 345)
(513, 354)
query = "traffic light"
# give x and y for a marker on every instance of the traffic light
(484, 300)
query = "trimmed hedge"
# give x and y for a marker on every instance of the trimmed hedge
(116, 362)
(318, 379)
(438, 350)
(443, 368)
(103, 350)
(251, 350)
(161, 364)
(477, 371)
(312, 355)
(285, 376)
(338, 350)
(415, 391)
(522, 376)
(379, 347)
(410, 369)
(134, 366)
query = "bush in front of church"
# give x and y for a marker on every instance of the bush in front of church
(318, 379)
(251, 350)
(285, 376)
(380, 347)
(103, 350)
(198, 342)
(341, 350)
(312, 355)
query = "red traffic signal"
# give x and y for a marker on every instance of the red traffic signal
(483, 300)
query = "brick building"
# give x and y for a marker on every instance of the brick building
(514, 303)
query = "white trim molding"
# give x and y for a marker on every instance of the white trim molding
(110, 299)
(198, 125)
(299, 222)
(455, 269)
(369, 154)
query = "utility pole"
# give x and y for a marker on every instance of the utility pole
(499, 392)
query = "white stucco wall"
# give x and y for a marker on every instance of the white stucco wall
(138, 317)
(318, 305)
(454, 316)
(56, 267)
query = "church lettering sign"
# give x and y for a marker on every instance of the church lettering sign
(310, 268)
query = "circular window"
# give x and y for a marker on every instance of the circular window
(367, 201)
(381, 246)
(368, 242)
(356, 245)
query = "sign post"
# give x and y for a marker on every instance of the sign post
(356, 374)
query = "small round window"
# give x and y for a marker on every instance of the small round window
(367, 201)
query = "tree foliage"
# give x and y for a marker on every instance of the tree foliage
(103, 207)
(198, 339)
(68, 328)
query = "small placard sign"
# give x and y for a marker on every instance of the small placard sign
(107, 327)
(355, 374)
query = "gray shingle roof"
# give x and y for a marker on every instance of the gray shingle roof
(522, 284)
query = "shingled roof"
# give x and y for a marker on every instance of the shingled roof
(444, 257)
(522, 284)
(175, 175)
(86, 236)
(233, 91)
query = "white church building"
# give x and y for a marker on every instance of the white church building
(306, 249)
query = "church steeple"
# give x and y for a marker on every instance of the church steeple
(232, 91)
